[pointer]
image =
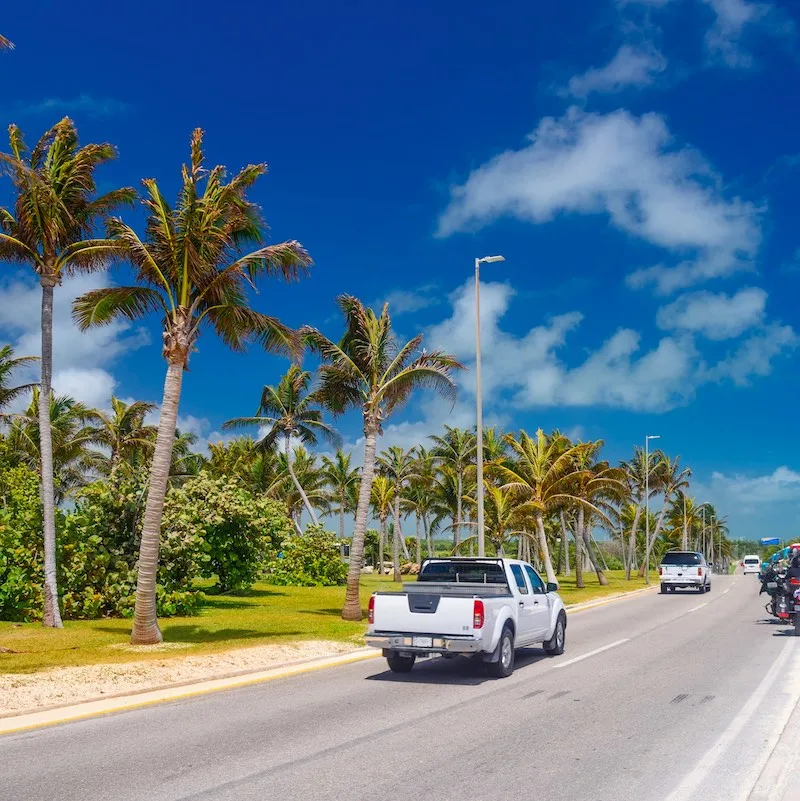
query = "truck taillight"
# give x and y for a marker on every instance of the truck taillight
(371, 612)
(477, 614)
(699, 571)
(660, 571)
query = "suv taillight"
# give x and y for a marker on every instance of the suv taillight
(371, 612)
(699, 571)
(477, 614)
(660, 571)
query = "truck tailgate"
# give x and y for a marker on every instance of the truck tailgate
(419, 613)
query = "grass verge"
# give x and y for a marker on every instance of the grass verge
(259, 616)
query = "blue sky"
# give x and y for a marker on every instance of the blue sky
(633, 161)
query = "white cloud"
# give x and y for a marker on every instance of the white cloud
(716, 316)
(783, 484)
(628, 168)
(92, 106)
(631, 66)
(754, 356)
(80, 359)
(532, 370)
(723, 37)
(408, 301)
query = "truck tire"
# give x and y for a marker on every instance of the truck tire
(400, 664)
(664, 589)
(504, 666)
(555, 645)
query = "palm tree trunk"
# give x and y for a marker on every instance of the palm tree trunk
(145, 623)
(565, 537)
(341, 519)
(428, 539)
(352, 600)
(419, 541)
(306, 503)
(630, 561)
(396, 534)
(685, 538)
(578, 533)
(51, 615)
(545, 551)
(381, 541)
(459, 490)
(587, 539)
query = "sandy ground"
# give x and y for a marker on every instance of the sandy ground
(70, 685)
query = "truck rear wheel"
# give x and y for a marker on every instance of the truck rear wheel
(664, 589)
(400, 664)
(504, 666)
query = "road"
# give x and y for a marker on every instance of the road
(658, 698)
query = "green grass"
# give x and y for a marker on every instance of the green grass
(262, 615)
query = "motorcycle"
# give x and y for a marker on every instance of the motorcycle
(772, 583)
(787, 604)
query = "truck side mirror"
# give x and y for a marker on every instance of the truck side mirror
(552, 586)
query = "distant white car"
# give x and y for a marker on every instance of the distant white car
(684, 569)
(752, 564)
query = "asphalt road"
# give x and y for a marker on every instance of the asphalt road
(658, 698)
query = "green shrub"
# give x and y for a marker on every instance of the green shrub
(311, 560)
(240, 533)
(21, 560)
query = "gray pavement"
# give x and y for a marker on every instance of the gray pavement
(658, 698)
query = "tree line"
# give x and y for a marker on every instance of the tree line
(193, 265)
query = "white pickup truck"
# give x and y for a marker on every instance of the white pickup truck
(481, 607)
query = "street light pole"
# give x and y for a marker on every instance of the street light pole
(647, 505)
(479, 397)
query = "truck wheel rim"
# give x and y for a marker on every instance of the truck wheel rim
(506, 655)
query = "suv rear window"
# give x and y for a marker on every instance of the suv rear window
(469, 572)
(681, 558)
(752, 561)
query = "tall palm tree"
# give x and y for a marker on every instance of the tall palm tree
(306, 477)
(424, 487)
(56, 213)
(342, 481)
(192, 268)
(370, 371)
(124, 433)
(8, 365)
(287, 411)
(382, 501)
(542, 477)
(669, 479)
(504, 518)
(72, 435)
(456, 448)
(636, 470)
(399, 465)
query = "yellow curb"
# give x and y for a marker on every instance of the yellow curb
(90, 709)
(586, 605)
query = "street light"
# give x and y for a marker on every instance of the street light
(478, 395)
(647, 505)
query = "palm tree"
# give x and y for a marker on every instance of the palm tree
(423, 486)
(635, 479)
(8, 365)
(72, 434)
(343, 483)
(504, 518)
(399, 466)
(5, 44)
(56, 211)
(123, 432)
(190, 267)
(305, 477)
(382, 500)
(669, 479)
(456, 449)
(288, 411)
(542, 477)
(369, 370)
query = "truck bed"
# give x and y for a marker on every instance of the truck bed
(458, 589)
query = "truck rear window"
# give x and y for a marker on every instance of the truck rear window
(752, 561)
(681, 559)
(469, 572)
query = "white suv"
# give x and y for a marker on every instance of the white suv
(751, 564)
(684, 569)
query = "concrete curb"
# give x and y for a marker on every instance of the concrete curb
(121, 702)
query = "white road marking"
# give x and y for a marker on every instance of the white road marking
(695, 608)
(591, 653)
(687, 790)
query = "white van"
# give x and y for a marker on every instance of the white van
(751, 564)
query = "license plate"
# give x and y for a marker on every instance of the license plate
(422, 642)
(772, 585)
